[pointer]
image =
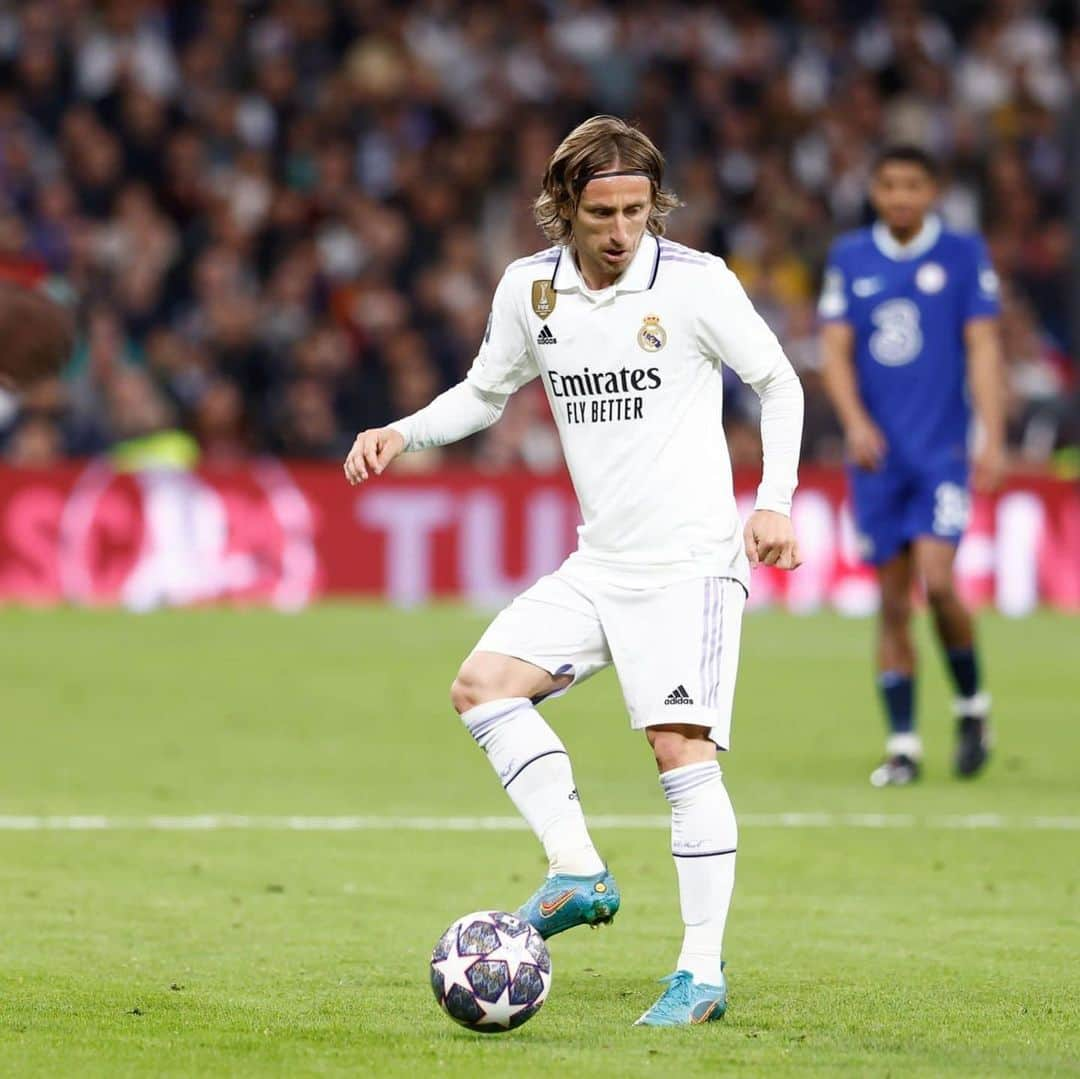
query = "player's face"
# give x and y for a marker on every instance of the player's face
(608, 225)
(902, 194)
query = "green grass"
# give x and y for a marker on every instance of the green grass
(918, 951)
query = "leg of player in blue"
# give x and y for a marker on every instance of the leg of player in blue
(703, 841)
(880, 499)
(956, 632)
(896, 673)
(534, 768)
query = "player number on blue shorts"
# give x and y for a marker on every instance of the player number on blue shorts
(952, 507)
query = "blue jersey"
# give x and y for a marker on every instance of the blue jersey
(908, 306)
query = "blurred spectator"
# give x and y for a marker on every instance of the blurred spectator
(1039, 381)
(35, 443)
(284, 219)
(307, 426)
(220, 424)
(144, 425)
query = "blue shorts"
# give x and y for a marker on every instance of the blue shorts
(900, 503)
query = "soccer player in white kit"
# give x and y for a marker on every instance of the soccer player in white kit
(627, 331)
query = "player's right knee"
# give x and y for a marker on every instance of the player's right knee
(488, 677)
(940, 591)
(475, 685)
(463, 694)
(895, 611)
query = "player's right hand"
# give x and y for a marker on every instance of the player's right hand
(770, 540)
(372, 451)
(866, 444)
(988, 467)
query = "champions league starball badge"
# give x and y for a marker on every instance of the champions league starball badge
(652, 336)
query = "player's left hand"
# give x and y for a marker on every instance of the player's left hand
(770, 540)
(988, 468)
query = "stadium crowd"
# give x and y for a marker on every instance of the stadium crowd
(281, 221)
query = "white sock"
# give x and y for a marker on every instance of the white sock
(534, 768)
(906, 743)
(703, 840)
(978, 706)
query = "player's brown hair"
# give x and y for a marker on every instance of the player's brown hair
(600, 144)
(37, 333)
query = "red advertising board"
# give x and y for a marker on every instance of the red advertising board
(285, 535)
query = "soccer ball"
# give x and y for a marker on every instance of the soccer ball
(490, 971)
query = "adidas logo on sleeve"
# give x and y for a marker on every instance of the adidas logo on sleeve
(545, 336)
(679, 696)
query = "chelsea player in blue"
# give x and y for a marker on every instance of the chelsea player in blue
(909, 345)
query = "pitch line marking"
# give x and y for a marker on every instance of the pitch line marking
(226, 822)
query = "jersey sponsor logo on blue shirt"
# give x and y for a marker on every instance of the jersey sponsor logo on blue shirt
(897, 338)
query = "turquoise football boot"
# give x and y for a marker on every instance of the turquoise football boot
(562, 902)
(686, 1002)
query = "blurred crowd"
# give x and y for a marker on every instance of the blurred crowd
(281, 221)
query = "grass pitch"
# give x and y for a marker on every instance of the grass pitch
(924, 946)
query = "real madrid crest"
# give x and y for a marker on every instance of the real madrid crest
(652, 336)
(543, 298)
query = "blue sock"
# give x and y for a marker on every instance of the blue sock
(898, 693)
(965, 670)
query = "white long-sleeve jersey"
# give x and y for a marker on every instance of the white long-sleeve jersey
(633, 376)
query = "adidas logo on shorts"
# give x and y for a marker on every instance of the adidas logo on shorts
(545, 336)
(678, 696)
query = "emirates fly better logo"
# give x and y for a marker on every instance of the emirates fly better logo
(609, 395)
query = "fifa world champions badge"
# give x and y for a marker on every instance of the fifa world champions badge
(543, 298)
(652, 336)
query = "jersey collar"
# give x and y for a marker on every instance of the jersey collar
(918, 245)
(637, 277)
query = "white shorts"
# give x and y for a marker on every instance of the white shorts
(675, 648)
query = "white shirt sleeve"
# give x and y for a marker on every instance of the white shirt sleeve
(503, 364)
(781, 396)
(505, 361)
(732, 332)
(459, 412)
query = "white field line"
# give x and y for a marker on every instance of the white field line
(221, 822)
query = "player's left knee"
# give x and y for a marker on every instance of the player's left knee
(940, 591)
(674, 747)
